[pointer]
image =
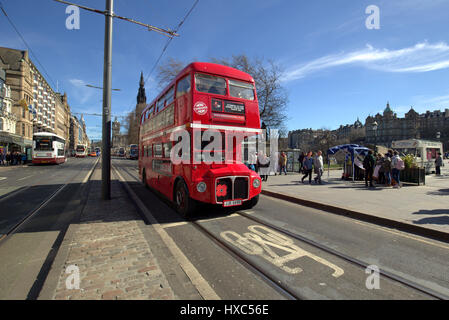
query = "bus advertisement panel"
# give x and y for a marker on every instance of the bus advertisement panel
(48, 148)
(191, 138)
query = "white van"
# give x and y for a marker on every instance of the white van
(425, 151)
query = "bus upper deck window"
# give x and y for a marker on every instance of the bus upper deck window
(239, 89)
(210, 84)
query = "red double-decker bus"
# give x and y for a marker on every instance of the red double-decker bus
(203, 97)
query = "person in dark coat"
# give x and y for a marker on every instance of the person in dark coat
(368, 164)
(301, 160)
(8, 158)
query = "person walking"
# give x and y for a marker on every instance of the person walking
(308, 166)
(8, 158)
(438, 164)
(386, 165)
(263, 163)
(368, 164)
(2, 157)
(318, 165)
(397, 165)
(282, 163)
(301, 160)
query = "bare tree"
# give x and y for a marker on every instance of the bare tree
(168, 71)
(131, 128)
(272, 96)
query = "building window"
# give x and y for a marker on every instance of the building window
(1, 124)
(23, 128)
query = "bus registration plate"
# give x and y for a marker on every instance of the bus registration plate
(231, 203)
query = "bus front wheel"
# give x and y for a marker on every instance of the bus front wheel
(184, 204)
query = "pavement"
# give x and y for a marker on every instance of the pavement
(108, 251)
(419, 209)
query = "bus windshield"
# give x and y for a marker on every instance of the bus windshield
(240, 89)
(210, 84)
(80, 148)
(43, 143)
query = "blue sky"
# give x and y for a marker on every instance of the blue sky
(335, 69)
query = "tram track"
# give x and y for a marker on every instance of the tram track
(41, 205)
(277, 284)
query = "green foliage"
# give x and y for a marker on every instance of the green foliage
(409, 161)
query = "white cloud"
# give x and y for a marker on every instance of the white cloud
(422, 57)
(80, 92)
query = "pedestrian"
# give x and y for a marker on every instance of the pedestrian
(318, 165)
(263, 162)
(397, 165)
(301, 160)
(308, 166)
(386, 165)
(2, 157)
(438, 164)
(8, 158)
(368, 164)
(283, 163)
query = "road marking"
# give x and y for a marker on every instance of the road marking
(2, 178)
(262, 239)
(25, 177)
(203, 287)
(173, 224)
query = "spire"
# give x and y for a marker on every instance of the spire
(142, 83)
(141, 97)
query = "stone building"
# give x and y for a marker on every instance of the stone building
(8, 119)
(118, 139)
(19, 77)
(77, 133)
(306, 139)
(385, 128)
(37, 106)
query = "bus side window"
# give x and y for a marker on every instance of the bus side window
(169, 96)
(183, 86)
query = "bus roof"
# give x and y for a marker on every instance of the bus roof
(206, 67)
(47, 134)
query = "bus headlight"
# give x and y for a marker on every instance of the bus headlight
(201, 187)
(256, 183)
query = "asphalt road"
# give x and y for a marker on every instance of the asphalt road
(26, 254)
(308, 271)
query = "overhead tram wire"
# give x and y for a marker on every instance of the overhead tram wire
(169, 39)
(26, 44)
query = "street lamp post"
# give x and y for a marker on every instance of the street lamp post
(107, 68)
(375, 134)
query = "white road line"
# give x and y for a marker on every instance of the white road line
(25, 177)
(203, 287)
(2, 178)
